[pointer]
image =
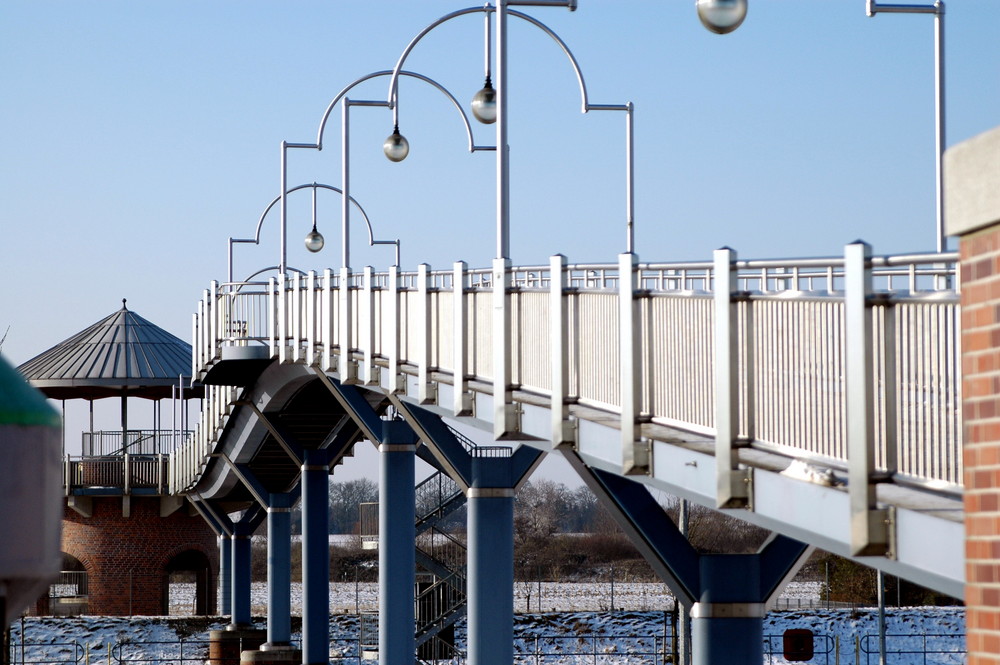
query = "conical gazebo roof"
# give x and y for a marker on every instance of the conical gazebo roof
(122, 354)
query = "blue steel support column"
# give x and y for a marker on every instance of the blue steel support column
(726, 593)
(397, 533)
(727, 623)
(241, 577)
(490, 581)
(225, 568)
(315, 558)
(489, 477)
(279, 572)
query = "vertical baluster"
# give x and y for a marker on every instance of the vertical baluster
(346, 366)
(310, 317)
(731, 488)
(272, 321)
(462, 405)
(427, 390)
(869, 535)
(635, 453)
(563, 431)
(367, 329)
(326, 303)
(397, 380)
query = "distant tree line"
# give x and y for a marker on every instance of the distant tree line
(564, 534)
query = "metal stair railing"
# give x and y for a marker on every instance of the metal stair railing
(441, 554)
(444, 602)
(436, 497)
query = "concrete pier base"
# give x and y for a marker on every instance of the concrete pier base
(277, 655)
(225, 646)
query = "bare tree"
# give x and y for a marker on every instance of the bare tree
(345, 498)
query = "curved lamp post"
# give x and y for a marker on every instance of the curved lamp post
(872, 8)
(314, 239)
(490, 633)
(396, 147)
(489, 105)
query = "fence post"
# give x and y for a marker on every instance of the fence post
(346, 366)
(869, 530)
(635, 451)
(563, 431)
(311, 318)
(732, 482)
(462, 405)
(281, 316)
(326, 323)
(368, 326)
(426, 388)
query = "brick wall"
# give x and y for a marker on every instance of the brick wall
(981, 413)
(127, 558)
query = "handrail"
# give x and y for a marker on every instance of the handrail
(782, 306)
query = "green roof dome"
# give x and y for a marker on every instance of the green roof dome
(20, 404)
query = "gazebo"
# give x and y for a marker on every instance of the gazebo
(122, 355)
(124, 535)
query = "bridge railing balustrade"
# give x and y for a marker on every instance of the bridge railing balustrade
(790, 329)
(122, 472)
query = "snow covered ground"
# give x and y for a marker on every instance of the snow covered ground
(639, 631)
(528, 597)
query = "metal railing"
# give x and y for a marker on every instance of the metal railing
(791, 349)
(45, 653)
(593, 649)
(137, 442)
(587, 649)
(154, 653)
(121, 472)
(435, 496)
(921, 648)
(825, 649)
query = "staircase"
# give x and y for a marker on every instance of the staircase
(440, 597)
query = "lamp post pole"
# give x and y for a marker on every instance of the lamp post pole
(503, 149)
(937, 9)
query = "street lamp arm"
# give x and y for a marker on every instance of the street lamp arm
(584, 100)
(397, 70)
(340, 95)
(329, 109)
(873, 7)
(260, 222)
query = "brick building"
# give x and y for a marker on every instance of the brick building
(972, 185)
(124, 535)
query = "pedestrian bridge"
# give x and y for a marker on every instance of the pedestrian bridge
(818, 398)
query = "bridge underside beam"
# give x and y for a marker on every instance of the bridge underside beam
(727, 595)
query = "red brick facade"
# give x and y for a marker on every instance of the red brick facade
(128, 559)
(981, 413)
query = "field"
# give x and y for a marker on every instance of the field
(637, 631)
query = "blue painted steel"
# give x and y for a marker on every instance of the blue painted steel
(241, 576)
(397, 533)
(491, 570)
(718, 641)
(279, 571)
(728, 581)
(491, 581)
(225, 576)
(315, 558)
(730, 589)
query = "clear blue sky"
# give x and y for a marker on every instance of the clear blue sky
(138, 137)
